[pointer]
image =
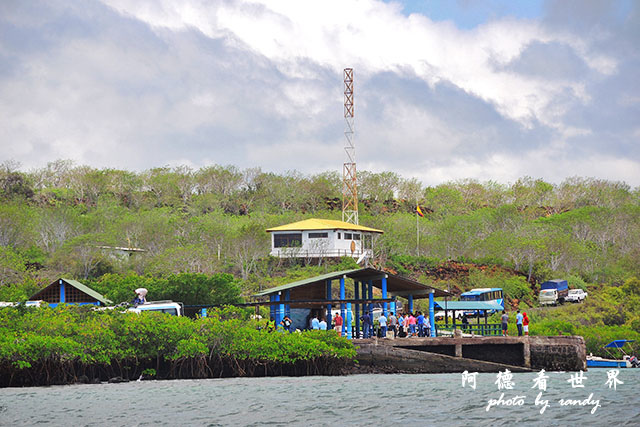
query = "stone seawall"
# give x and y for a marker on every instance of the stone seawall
(558, 353)
(479, 354)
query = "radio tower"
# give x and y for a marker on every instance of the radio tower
(349, 181)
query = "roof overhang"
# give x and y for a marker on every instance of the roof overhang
(468, 305)
(323, 224)
(396, 285)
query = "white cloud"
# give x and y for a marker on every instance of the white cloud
(375, 37)
(250, 83)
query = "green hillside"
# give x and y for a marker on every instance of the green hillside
(210, 223)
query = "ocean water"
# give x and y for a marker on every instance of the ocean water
(358, 400)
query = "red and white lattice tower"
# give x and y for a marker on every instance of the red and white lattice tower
(349, 181)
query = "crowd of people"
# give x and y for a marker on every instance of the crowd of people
(404, 325)
(522, 323)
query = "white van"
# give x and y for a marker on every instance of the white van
(169, 307)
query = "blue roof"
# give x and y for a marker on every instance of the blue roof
(468, 305)
(618, 343)
(480, 291)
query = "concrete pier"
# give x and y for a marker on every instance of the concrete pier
(479, 354)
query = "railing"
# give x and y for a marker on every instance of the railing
(310, 253)
(481, 329)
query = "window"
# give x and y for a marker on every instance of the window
(356, 236)
(347, 236)
(289, 240)
(339, 236)
(318, 235)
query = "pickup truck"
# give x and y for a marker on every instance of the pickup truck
(553, 292)
(576, 295)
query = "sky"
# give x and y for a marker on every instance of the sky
(443, 90)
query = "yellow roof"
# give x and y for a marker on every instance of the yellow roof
(322, 224)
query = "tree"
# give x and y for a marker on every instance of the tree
(13, 183)
(12, 266)
(249, 243)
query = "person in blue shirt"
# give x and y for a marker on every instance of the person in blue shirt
(420, 323)
(315, 323)
(366, 325)
(322, 324)
(519, 318)
(286, 323)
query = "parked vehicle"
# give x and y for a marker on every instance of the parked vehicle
(26, 303)
(576, 295)
(169, 307)
(553, 292)
(484, 295)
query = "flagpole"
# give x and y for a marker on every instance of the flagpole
(417, 232)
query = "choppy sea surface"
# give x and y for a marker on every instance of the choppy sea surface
(358, 400)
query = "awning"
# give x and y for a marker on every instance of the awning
(618, 343)
(468, 305)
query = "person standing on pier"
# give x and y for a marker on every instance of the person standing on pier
(337, 321)
(420, 323)
(315, 324)
(393, 324)
(505, 323)
(427, 327)
(519, 318)
(366, 325)
(412, 324)
(322, 324)
(525, 323)
(382, 321)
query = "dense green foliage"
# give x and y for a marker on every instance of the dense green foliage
(188, 288)
(608, 313)
(44, 346)
(202, 232)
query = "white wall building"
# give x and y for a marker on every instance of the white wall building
(316, 238)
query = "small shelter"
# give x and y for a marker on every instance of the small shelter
(70, 292)
(304, 298)
(320, 238)
(478, 309)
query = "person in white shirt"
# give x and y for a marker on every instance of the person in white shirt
(382, 321)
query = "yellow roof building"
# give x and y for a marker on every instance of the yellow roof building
(317, 238)
(322, 224)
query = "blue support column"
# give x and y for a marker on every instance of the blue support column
(342, 305)
(348, 321)
(280, 311)
(394, 308)
(363, 288)
(410, 298)
(63, 297)
(328, 296)
(431, 314)
(276, 310)
(356, 289)
(384, 295)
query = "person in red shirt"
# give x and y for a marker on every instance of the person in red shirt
(525, 323)
(337, 321)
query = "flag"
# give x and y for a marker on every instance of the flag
(419, 212)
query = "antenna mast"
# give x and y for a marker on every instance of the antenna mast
(349, 181)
